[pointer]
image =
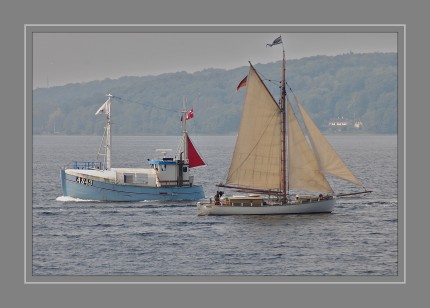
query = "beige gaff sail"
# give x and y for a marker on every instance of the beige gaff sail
(256, 161)
(329, 161)
(303, 169)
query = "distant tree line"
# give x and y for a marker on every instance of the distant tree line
(354, 86)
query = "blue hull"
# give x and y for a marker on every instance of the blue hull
(102, 191)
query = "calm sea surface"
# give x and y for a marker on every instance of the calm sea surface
(73, 237)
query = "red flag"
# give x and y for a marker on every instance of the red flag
(242, 83)
(190, 114)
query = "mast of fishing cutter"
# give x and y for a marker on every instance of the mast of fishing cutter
(108, 133)
(184, 131)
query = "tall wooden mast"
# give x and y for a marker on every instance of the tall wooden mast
(284, 135)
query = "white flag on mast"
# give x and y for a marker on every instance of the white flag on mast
(104, 108)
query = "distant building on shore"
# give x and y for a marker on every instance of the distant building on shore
(342, 124)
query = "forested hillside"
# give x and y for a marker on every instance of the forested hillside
(354, 86)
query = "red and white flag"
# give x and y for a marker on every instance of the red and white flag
(190, 114)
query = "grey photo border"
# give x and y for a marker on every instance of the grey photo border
(30, 29)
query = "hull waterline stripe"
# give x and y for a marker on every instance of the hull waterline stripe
(138, 193)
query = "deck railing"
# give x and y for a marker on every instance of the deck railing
(87, 165)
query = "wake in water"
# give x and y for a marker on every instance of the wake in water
(144, 203)
(71, 199)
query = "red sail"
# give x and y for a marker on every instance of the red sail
(193, 156)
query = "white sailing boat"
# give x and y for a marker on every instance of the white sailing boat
(273, 162)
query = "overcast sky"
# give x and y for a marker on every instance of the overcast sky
(61, 58)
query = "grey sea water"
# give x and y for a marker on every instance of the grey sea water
(70, 237)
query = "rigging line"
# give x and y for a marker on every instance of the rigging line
(149, 105)
(275, 82)
(289, 88)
